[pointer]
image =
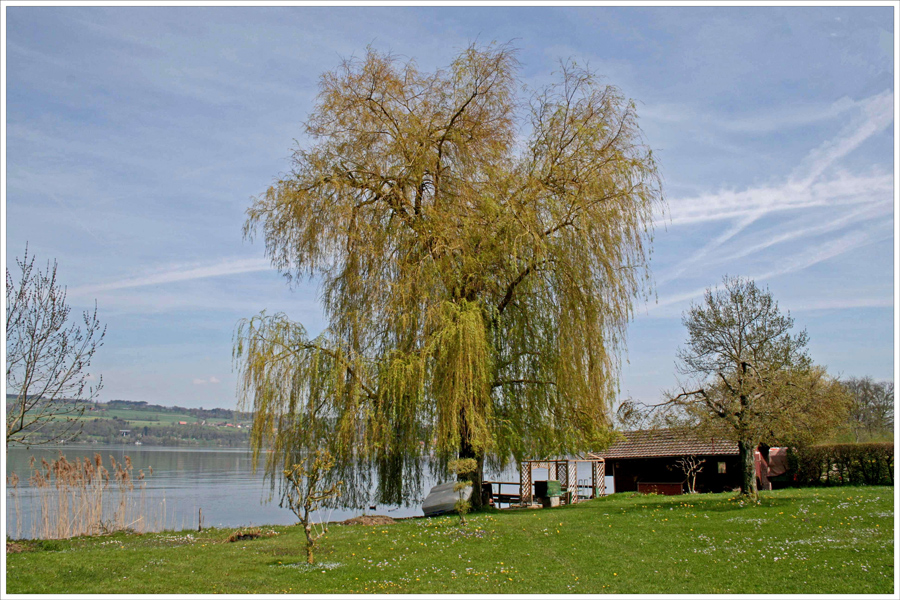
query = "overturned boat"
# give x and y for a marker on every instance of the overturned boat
(442, 499)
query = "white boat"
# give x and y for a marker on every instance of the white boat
(442, 499)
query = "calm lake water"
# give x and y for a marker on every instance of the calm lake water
(219, 481)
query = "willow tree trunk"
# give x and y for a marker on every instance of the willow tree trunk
(748, 469)
(476, 477)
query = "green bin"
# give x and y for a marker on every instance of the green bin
(547, 489)
(554, 489)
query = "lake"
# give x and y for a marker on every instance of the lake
(219, 481)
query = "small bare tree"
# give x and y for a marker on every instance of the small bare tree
(47, 356)
(691, 467)
(304, 496)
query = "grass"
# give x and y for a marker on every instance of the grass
(814, 541)
(147, 416)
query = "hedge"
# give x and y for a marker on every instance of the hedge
(843, 464)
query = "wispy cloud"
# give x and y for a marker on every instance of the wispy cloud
(843, 303)
(771, 120)
(876, 114)
(843, 190)
(218, 269)
(869, 212)
(804, 260)
(248, 299)
(737, 228)
(868, 196)
(803, 189)
(817, 254)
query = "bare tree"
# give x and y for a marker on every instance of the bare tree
(691, 467)
(47, 356)
(872, 412)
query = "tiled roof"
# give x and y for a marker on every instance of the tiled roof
(665, 442)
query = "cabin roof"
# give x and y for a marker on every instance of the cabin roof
(665, 442)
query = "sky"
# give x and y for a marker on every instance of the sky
(137, 137)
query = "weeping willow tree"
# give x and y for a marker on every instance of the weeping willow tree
(476, 281)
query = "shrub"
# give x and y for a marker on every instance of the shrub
(843, 464)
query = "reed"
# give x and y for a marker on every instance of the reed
(83, 497)
(12, 486)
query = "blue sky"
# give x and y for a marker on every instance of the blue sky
(137, 136)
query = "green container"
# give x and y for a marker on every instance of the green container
(553, 489)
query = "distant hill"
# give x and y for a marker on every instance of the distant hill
(156, 425)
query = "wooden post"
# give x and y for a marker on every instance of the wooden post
(601, 477)
(572, 480)
(525, 484)
(200, 520)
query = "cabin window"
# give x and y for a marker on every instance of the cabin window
(721, 467)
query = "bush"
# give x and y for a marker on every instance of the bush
(843, 464)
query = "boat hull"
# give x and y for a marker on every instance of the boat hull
(442, 499)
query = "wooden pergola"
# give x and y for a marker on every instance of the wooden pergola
(564, 470)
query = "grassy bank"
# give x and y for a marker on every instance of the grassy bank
(830, 540)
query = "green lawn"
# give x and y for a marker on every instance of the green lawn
(814, 541)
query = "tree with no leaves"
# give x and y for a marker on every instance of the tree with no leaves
(691, 467)
(476, 282)
(872, 410)
(47, 356)
(752, 380)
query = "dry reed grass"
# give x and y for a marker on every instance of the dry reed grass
(85, 498)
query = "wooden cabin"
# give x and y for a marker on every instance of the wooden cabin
(646, 461)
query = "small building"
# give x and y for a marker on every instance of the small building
(182, 422)
(647, 461)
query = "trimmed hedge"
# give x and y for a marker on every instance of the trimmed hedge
(843, 464)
